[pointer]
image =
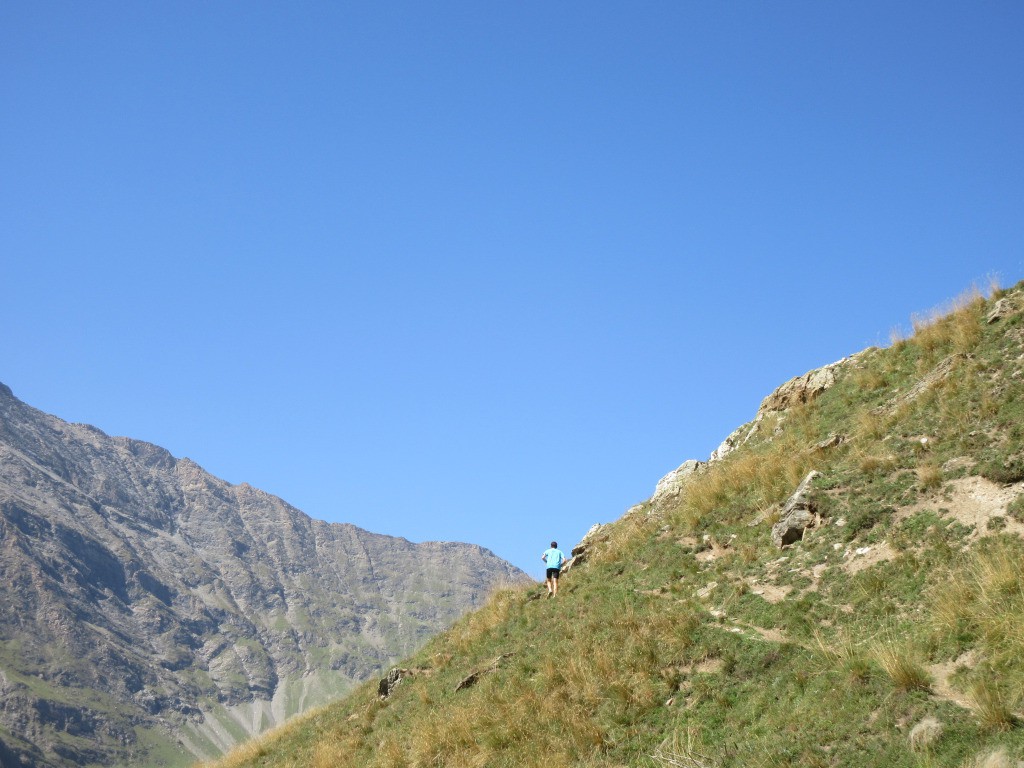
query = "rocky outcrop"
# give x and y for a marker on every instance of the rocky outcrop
(391, 680)
(473, 677)
(736, 438)
(141, 594)
(802, 389)
(798, 514)
(582, 551)
(1002, 309)
(796, 391)
(674, 481)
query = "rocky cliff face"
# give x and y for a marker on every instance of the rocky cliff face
(151, 613)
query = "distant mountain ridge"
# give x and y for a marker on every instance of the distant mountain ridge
(153, 613)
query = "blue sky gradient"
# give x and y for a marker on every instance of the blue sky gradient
(484, 271)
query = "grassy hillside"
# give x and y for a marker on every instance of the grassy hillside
(892, 634)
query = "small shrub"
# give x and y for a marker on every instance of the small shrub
(1005, 471)
(1016, 509)
(996, 523)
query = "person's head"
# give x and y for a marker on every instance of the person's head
(554, 545)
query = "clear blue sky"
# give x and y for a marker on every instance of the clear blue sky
(484, 271)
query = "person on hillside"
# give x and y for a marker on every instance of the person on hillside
(554, 557)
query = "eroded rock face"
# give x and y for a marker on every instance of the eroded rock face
(182, 602)
(673, 482)
(582, 551)
(796, 391)
(802, 389)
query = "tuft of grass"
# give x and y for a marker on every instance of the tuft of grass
(955, 327)
(993, 705)
(872, 424)
(871, 464)
(843, 656)
(902, 663)
(929, 476)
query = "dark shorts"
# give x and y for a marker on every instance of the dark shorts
(553, 573)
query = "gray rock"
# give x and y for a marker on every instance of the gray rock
(1002, 309)
(391, 681)
(832, 441)
(672, 482)
(582, 551)
(798, 514)
(802, 389)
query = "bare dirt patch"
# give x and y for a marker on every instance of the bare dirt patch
(771, 635)
(856, 560)
(769, 592)
(940, 675)
(973, 502)
(716, 552)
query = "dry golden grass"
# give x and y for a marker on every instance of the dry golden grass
(844, 655)
(984, 599)
(993, 705)
(763, 477)
(527, 718)
(475, 625)
(874, 464)
(957, 325)
(257, 746)
(869, 379)
(902, 663)
(929, 476)
(873, 424)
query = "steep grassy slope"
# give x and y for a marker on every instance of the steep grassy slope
(891, 634)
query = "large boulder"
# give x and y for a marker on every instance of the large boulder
(798, 514)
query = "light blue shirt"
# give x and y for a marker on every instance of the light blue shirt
(554, 558)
